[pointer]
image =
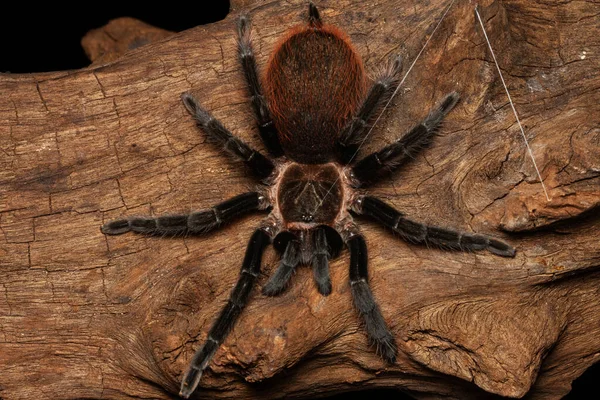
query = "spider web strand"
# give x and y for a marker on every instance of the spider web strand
(390, 100)
(402, 81)
(512, 104)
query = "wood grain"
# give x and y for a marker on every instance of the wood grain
(88, 316)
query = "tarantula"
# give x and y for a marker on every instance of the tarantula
(313, 113)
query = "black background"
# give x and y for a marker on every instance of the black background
(47, 38)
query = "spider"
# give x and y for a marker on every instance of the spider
(313, 112)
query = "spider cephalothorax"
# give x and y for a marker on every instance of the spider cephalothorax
(312, 117)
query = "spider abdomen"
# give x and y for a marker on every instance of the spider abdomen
(314, 83)
(310, 195)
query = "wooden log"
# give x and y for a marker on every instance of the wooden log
(108, 43)
(83, 315)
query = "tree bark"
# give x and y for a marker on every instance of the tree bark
(83, 315)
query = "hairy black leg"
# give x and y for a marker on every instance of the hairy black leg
(229, 314)
(355, 130)
(287, 266)
(407, 147)
(431, 235)
(266, 128)
(314, 19)
(320, 261)
(377, 330)
(197, 222)
(260, 165)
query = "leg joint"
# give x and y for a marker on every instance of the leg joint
(358, 281)
(246, 52)
(249, 272)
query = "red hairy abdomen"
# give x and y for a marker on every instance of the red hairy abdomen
(314, 82)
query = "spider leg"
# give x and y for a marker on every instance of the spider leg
(407, 147)
(431, 235)
(377, 330)
(320, 262)
(197, 222)
(266, 127)
(289, 261)
(229, 314)
(260, 165)
(314, 19)
(355, 130)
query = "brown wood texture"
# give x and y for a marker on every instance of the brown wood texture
(108, 43)
(88, 316)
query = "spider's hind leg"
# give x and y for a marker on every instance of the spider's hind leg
(390, 157)
(314, 19)
(355, 131)
(266, 127)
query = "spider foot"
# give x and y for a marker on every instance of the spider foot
(475, 241)
(436, 116)
(324, 287)
(190, 383)
(501, 248)
(314, 19)
(199, 363)
(380, 336)
(386, 348)
(116, 227)
(272, 288)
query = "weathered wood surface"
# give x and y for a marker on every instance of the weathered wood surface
(88, 316)
(108, 43)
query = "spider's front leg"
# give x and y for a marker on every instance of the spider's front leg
(417, 232)
(377, 330)
(197, 222)
(230, 313)
(355, 131)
